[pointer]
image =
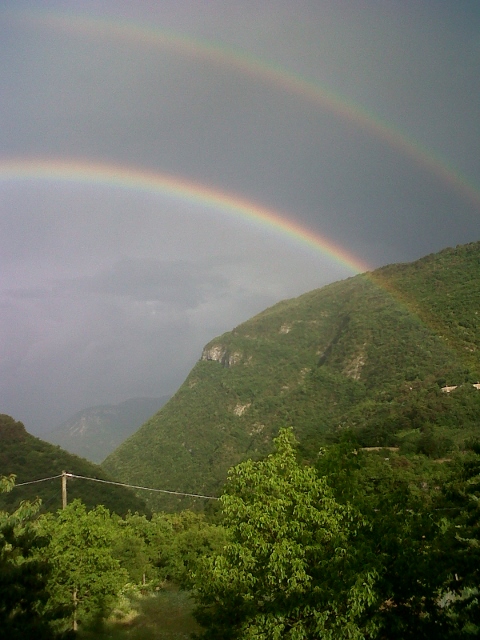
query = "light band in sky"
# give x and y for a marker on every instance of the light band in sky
(91, 173)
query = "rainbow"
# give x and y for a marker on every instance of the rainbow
(142, 181)
(242, 62)
(94, 173)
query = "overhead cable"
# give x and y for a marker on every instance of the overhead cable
(120, 484)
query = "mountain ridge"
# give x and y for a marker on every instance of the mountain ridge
(38, 463)
(369, 353)
(96, 431)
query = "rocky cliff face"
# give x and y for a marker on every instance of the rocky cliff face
(220, 353)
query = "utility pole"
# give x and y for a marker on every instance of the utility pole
(64, 489)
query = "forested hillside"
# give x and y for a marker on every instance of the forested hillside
(370, 354)
(95, 432)
(30, 458)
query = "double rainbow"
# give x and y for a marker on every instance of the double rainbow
(135, 179)
(268, 73)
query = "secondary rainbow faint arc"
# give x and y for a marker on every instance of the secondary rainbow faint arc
(95, 173)
(267, 72)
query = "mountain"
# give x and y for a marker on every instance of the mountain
(371, 354)
(95, 432)
(32, 459)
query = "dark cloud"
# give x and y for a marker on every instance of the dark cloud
(181, 284)
(108, 293)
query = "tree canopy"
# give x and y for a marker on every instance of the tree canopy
(24, 573)
(287, 570)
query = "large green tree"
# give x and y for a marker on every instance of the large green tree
(84, 574)
(287, 570)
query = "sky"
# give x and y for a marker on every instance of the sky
(168, 169)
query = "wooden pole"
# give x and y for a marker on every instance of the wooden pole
(64, 489)
(75, 623)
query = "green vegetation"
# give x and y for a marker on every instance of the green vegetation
(362, 545)
(24, 572)
(30, 458)
(366, 551)
(166, 615)
(369, 354)
(287, 570)
(94, 573)
(84, 576)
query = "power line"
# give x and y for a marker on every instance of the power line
(133, 486)
(120, 484)
(21, 484)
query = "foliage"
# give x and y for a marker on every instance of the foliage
(368, 544)
(166, 548)
(190, 537)
(93, 559)
(132, 547)
(399, 499)
(286, 570)
(23, 575)
(84, 576)
(164, 615)
(30, 458)
(460, 545)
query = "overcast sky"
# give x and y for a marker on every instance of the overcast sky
(107, 293)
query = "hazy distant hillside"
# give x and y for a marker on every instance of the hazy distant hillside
(370, 353)
(95, 432)
(30, 458)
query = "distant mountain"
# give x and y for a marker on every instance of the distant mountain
(371, 353)
(32, 459)
(95, 432)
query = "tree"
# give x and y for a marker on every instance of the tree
(180, 541)
(132, 548)
(460, 548)
(286, 570)
(404, 540)
(23, 574)
(84, 575)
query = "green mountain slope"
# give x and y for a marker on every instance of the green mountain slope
(371, 353)
(30, 458)
(95, 432)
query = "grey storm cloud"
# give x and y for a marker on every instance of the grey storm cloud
(180, 283)
(109, 293)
